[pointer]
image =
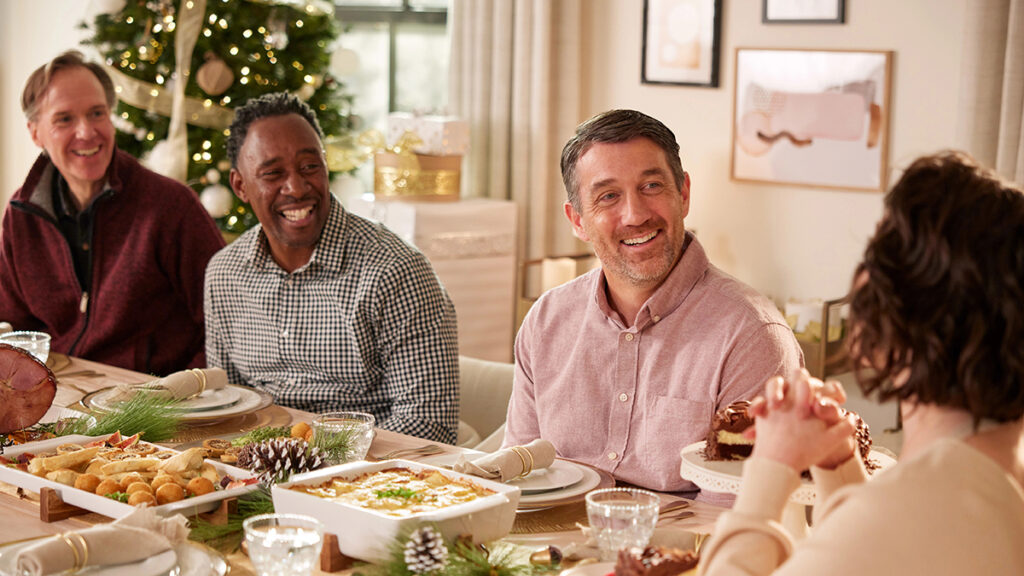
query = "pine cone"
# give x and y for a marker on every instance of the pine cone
(277, 459)
(425, 551)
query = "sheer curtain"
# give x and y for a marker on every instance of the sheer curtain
(991, 118)
(515, 76)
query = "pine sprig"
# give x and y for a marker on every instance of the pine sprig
(153, 417)
(148, 415)
(464, 559)
(227, 537)
(261, 434)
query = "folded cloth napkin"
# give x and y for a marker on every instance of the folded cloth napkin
(135, 537)
(180, 385)
(509, 463)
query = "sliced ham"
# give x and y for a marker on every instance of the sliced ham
(27, 389)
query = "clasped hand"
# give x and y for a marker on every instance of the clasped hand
(799, 423)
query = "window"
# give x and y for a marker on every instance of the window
(393, 56)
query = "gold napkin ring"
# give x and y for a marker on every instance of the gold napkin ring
(201, 377)
(79, 562)
(526, 468)
(85, 548)
(521, 459)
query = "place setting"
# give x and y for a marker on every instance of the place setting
(200, 395)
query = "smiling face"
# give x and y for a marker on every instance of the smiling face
(282, 174)
(73, 126)
(631, 212)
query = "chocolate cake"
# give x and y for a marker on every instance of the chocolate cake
(654, 561)
(725, 440)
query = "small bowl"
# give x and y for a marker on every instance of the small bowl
(38, 343)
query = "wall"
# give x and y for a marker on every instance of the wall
(31, 34)
(785, 241)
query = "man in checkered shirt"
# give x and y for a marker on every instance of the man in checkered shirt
(321, 308)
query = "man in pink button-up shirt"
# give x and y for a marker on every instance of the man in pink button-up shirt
(624, 366)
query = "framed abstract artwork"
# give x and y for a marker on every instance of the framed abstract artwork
(681, 42)
(812, 117)
(804, 12)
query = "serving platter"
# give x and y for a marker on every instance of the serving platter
(365, 533)
(107, 506)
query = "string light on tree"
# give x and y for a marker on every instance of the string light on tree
(237, 53)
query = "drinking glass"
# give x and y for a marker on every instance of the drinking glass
(621, 518)
(283, 544)
(343, 436)
(38, 343)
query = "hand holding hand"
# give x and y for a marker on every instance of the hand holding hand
(799, 423)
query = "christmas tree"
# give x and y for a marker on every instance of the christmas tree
(231, 51)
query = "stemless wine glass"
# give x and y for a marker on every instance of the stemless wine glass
(621, 518)
(283, 544)
(343, 436)
(38, 343)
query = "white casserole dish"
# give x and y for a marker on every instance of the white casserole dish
(367, 534)
(102, 504)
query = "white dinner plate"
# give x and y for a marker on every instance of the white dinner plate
(249, 401)
(209, 400)
(559, 475)
(157, 565)
(588, 482)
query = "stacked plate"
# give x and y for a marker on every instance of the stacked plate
(563, 482)
(216, 404)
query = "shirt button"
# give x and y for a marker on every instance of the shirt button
(657, 319)
(629, 337)
(612, 455)
(85, 246)
(284, 334)
(623, 397)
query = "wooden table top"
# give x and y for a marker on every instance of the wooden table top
(76, 377)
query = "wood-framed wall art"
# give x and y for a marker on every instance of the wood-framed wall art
(681, 42)
(817, 118)
(804, 12)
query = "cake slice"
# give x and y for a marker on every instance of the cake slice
(725, 440)
(654, 561)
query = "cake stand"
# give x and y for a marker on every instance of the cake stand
(727, 477)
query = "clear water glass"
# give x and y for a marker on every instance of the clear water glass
(621, 518)
(37, 343)
(283, 544)
(343, 436)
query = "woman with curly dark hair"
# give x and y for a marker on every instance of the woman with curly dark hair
(937, 322)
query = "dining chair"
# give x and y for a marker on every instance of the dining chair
(485, 387)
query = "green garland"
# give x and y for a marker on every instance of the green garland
(227, 537)
(463, 558)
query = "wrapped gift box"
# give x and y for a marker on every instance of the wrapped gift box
(471, 245)
(440, 135)
(416, 176)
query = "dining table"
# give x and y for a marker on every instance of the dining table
(77, 378)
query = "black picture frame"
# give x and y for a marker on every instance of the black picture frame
(681, 42)
(795, 12)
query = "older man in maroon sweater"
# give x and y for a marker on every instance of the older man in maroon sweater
(104, 255)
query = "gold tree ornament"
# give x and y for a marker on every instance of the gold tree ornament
(214, 76)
